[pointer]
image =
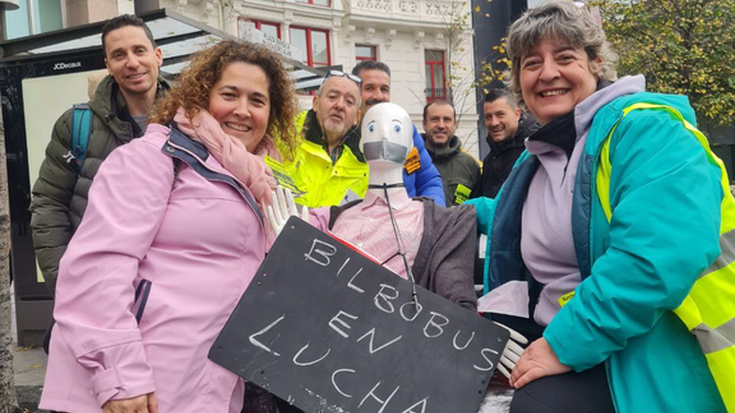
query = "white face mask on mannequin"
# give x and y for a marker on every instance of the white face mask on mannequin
(387, 139)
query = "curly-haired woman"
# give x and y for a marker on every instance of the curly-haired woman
(176, 216)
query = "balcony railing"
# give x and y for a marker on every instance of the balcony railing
(435, 11)
(434, 94)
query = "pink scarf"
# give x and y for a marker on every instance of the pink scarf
(249, 169)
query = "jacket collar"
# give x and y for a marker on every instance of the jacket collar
(517, 141)
(109, 104)
(178, 138)
(195, 155)
(313, 133)
(441, 153)
(559, 133)
(398, 200)
(527, 126)
(606, 92)
(564, 131)
(120, 108)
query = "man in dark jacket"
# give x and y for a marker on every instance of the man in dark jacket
(507, 129)
(119, 111)
(460, 172)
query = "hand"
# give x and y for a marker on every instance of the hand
(283, 207)
(536, 362)
(146, 403)
(512, 352)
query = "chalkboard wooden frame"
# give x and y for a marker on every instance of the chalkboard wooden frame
(328, 330)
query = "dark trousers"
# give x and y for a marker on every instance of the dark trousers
(585, 392)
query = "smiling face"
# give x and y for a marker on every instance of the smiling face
(439, 124)
(375, 87)
(132, 60)
(501, 120)
(555, 78)
(336, 107)
(240, 102)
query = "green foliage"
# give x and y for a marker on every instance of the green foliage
(684, 47)
(495, 69)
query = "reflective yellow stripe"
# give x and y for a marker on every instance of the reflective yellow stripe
(603, 176)
(715, 297)
(708, 311)
(715, 339)
(689, 313)
(727, 253)
(721, 364)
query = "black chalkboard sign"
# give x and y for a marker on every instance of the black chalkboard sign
(328, 330)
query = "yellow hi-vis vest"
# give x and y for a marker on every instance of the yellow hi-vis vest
(323, 183)
(709, 309)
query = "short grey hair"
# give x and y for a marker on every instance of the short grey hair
(564, 22)
(324, 82)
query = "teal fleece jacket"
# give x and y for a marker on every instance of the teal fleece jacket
(665, 197)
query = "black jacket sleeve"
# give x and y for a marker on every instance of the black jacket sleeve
(52, 194)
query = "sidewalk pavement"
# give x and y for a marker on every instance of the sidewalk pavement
(497, 400)
(29, 365)
(30, 368)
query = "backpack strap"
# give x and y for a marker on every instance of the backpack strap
(81, 128)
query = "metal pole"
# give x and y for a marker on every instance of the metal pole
(3, 31)
(32, 17)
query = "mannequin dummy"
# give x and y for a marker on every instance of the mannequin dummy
(391, 235)
(426, 244)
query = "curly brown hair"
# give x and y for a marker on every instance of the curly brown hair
(205, 69)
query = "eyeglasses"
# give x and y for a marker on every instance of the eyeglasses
(337, 73)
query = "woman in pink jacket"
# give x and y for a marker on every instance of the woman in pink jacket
(172, 236)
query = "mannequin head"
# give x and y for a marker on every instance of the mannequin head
(387, 138)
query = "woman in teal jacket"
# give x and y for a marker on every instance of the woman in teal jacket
(612, 215)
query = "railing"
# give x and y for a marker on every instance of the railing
(434, 94)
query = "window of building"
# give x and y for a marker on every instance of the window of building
(325, 3)
(44, 15)
(314, 43)
(435, 79)
(364, 52)
(269, 28)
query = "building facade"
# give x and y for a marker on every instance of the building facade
(420, 40)
(40, 16)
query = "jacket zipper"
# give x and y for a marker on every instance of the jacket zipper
(593, 184)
